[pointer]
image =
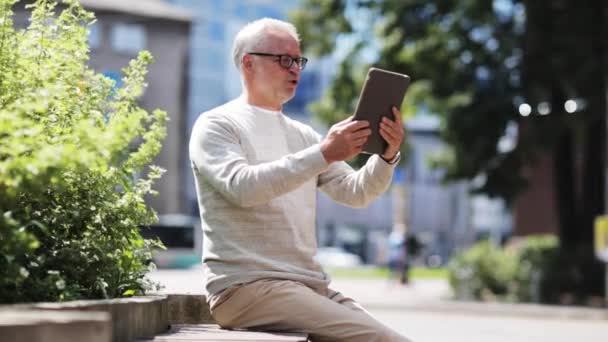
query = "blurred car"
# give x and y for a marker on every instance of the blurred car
(183, 238)
(336, 257)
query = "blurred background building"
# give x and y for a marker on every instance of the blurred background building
(191, 42)
(213, 78)
(123, 28)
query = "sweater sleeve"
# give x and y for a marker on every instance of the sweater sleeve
(216, 155)
(355, 188)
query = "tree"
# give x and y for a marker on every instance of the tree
(475, 64)
(465, 66)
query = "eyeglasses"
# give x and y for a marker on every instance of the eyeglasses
(285, 61)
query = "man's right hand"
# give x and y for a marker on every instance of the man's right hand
(345, 140)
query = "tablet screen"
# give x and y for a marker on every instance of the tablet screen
(381, 91)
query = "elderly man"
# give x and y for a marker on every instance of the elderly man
(257, 173)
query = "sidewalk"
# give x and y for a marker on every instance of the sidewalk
(385, 294)
(434, 295)
(430, 295)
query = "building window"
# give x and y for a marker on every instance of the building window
(95, 35)
(115, 76)
(214, 60)
(128, 38)
(216, 31)
(268, 12)
(217, 5)
(241, 11)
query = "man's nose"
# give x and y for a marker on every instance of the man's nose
(295, 68)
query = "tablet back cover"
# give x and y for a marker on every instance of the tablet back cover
(381, 91)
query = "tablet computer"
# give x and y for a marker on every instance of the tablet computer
(381, 91)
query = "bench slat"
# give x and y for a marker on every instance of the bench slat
(213, 332)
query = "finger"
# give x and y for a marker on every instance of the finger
(358, 148)
(349, 119)
(360, 142)
(395, 128)
(391, 140)
(361, 133)
(345, 121)
(394, 124)
(356, 125)
(394, 131)
(397, 115)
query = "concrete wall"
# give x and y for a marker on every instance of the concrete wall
(168, 43)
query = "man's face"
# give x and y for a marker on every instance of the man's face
(272, 81)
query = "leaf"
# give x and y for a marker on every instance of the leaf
(129, 293)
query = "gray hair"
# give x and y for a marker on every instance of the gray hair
(253, 36)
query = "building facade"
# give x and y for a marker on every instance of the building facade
(123, 28)
(213, 78)
(446, 218)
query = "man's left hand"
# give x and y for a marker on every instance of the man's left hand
(392, 132)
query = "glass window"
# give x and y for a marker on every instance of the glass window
(241, 11)
(128, 38)
(95, 35)
(114, 75)
(215, 30)
(214, 59)
(217, 5)
(268, 12)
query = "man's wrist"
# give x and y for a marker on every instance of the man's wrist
(393, 160)
(325, 153)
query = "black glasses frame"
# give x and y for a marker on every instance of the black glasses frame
(285, 61)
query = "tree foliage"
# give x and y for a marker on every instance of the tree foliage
(72, 151)
(463, 57)
(475, 64)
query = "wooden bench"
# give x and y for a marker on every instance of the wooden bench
(212, 332)
(191, 320)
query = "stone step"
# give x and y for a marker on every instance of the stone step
(212, 332)
(188, 309)
(130, 317)
(42, 326)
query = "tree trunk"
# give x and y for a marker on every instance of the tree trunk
(563, 159)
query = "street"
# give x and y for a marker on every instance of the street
(419, 311)
(431, 326)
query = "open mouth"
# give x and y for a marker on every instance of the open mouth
(294, 82)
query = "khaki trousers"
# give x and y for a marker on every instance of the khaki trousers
(289, 306)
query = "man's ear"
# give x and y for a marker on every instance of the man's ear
(247, 63)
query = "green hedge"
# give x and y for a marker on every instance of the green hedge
(73, 151)
(526, 271)
(482, 272)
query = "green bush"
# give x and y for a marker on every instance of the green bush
(482, 272)
(534, 269)
(73, 151)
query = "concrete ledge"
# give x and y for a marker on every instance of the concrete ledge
(189, 309)
(130, 317)
(41, 326)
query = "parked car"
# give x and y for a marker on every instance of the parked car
(336, 257)
(183, 238)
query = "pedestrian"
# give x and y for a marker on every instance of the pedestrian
(257, 172)
(398, 255)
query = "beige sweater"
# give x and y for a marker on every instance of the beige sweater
(257, 173)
